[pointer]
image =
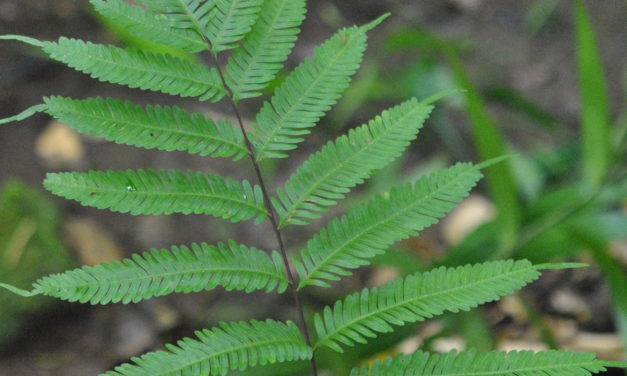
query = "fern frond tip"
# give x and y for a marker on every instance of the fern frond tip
(615, 364)
(441, 94)
(493, 161)
(25, 114)
(23, 39)
(372, 24)
(561, 265)
(19, 291)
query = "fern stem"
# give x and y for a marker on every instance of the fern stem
(271, 214)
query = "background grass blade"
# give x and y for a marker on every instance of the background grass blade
(490, 144)
(595, 114)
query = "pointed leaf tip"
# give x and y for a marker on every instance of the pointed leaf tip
(493, 161)
(23, 39)
(615, 363)
(18, 291)
(441, 94)
(372, 24)
(561, 265)
(25, 114)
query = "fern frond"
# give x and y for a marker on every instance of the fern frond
(154, 127)
(163, 192)
(417, 297)
(135, 68)
(330, 173)
(369, 229)
(229, 21)
(471, 363)
(308, 93)
(146, 25)
(162, 272)
(265, 48)
(184, 14)
(230, 346)
(222, 22)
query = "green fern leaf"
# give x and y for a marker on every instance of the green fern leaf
(184, 14)
(469, 363)
(146, 25)
(330, 173)
(229, 21)
(222, 23)
(162, 272)
(265, 48)
(417, 297)
(134, 68)
(369, 229)
(163, 128)
(163, 192)
(230, 346)
(308, 93)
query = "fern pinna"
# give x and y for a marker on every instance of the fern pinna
(257, 36)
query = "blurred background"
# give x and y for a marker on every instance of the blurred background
(541, 79)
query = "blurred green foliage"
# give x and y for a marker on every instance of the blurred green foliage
(563, 201)
(29, 247)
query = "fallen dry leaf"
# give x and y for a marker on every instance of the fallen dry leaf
(92, 243)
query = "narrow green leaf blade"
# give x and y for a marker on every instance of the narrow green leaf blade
(369, 229)
(227, 347)
(308, 93)
(163, 192)
(138, 69)
(467, 363)
(153, 127)
(265, 48)
(418, 297)
(330, 173)
(142, 23)
(595, 114)
(162, 272)
(490, 144)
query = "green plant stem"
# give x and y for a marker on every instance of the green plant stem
(271, 217)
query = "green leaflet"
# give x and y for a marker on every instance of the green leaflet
(229, 21)
(265, 48)
(308, 93)
(138, 69)
(162, 272)
(221, 22)
(230, 346)
(163, 192)
(418, 297)
(369, 229)
(183, 14)
(330, 173)
(146, 25)
(153, 127)
(470, 363)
